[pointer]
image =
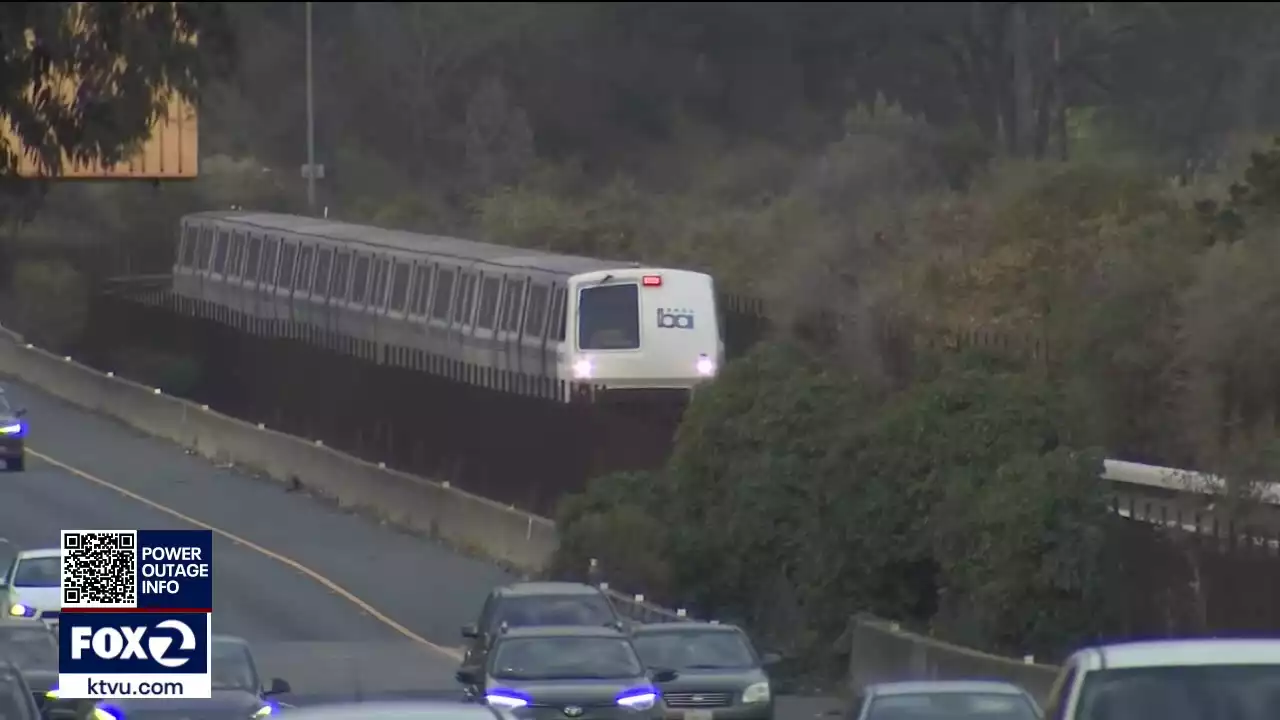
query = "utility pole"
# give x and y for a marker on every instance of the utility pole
(311, 170)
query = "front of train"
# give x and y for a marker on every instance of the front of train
(641, 329)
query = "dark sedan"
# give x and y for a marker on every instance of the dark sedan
(579, 673)
(720, 674)
(32, 649)
(238, 693)
(13, 436)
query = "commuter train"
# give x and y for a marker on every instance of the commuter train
(516, 320)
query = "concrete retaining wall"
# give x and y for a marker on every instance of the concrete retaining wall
(472, 523)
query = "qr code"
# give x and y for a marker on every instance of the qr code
(99, 568)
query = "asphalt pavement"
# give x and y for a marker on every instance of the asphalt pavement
(319, 592)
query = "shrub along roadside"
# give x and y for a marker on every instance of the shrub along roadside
(798, 494)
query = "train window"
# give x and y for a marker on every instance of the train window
(360, 280)
(422, 290)
(559, 314)
(443, 294)
(288, 264)
(270, 251)
(206, 247)
(304, 268)
(399, 286)
(237, 254)
(379, 295)
(466, 299)
(254, 256)
(189, 244)
(609, 317)
(341, 271)
(324, 263)
(220, 252)
(489, 302)
(270, 254)
(535, 318)
(511, 305)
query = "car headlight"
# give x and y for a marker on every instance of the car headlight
(12, 429)
(639, 699)
(504, 698)
(262, 712)
(757, 693)
(101, 713)
(583, 368)
(53, 694)
(20, 610)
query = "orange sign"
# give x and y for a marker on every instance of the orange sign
(171, 150)
(170, 153)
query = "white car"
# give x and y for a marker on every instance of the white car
(31, 587)
(1171, 680)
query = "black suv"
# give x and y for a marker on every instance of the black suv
(536, 604)
(16, 700)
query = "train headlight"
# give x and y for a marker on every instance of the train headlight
(706, 366)
(582, 368)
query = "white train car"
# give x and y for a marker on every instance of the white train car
(511, 319)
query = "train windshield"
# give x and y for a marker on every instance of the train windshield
(609, 317)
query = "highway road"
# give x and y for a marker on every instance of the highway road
(336, 603)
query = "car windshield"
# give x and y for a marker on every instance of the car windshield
(43, 572)
(15, 703)
(563, 658)
(29, 648)
(5, 408)
(952, 706)
(1209, 692)
(685, 650)
(232, 668)
(541, 610)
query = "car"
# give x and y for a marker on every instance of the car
(720, 673)
(31, 586)
(32, 648)
(592, 673)
(536, 603)
(1189, 679)
(947, 700)
(238, 693)
(400, 710)
(13, 435)
(16, 700)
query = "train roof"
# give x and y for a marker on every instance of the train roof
(405, 241)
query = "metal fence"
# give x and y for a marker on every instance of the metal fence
(881, 651)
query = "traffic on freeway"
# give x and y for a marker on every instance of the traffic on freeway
(332, 607)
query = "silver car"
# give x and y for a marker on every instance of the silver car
(947, 700)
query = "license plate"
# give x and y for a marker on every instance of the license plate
(698, 715)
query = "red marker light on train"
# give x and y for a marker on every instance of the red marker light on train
(652, 281)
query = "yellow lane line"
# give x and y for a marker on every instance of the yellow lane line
(288, 562)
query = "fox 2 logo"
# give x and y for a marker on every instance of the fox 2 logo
(675, 318)
(134, 643)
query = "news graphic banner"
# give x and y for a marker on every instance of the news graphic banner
(136, 614)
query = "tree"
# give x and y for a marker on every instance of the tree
(83, 78)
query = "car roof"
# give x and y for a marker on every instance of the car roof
(38, 553)
(919, 687)
(690, 626)
(1180, 653)
(547, 588)
(554, 631)
(400, 710)
(228, 639)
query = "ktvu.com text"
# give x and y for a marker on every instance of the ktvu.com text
(121, 638)
(134, 655)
